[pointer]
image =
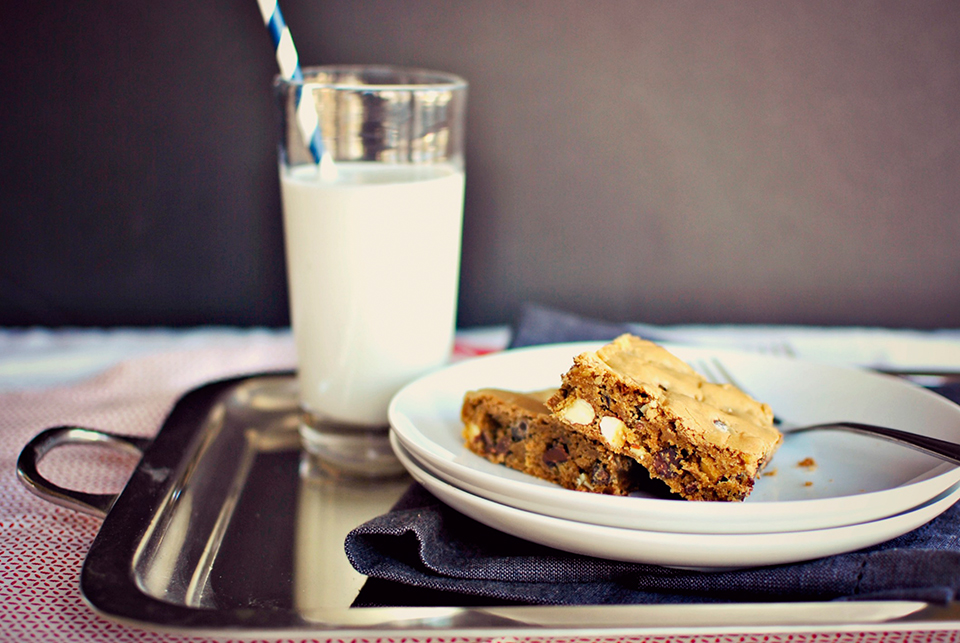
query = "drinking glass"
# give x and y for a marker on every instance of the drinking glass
(372, 233)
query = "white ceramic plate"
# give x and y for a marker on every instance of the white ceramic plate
(856, 478)
(684, 550)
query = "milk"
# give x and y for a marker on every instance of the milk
(373, 263)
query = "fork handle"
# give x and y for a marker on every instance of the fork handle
(943, 449)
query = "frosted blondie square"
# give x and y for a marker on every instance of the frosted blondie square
(706, 441)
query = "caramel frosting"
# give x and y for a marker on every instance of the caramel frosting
(721, 414)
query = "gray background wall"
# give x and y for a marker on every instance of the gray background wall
(681, 161)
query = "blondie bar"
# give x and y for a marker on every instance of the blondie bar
(517, 430)
(705, 441)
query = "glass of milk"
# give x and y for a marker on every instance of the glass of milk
(372, 236)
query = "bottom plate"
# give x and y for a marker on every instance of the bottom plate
(683, 550)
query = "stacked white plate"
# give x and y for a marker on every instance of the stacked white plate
(858, 492)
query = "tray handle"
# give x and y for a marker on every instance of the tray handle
(95, 504)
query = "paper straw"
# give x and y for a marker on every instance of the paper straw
(289, 64)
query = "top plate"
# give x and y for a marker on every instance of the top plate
(856, 478)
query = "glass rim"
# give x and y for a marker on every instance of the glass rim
(428, 79)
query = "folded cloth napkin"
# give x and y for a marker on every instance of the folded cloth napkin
(423, 552)
(423, 544)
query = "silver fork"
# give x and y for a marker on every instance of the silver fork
(714, 371)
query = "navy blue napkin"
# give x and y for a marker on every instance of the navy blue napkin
(425, 553)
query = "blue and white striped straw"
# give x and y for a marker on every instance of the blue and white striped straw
(289, 64)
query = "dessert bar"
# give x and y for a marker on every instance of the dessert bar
(517, 430)
(706, 441)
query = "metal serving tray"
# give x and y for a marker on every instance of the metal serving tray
(226, 529)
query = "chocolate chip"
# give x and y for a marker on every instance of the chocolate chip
(600, 474)
(519, 431)
(487, 441)
(503, 445)
(665, 463)
(555, 455)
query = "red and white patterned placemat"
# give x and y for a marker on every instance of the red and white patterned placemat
(44, 545)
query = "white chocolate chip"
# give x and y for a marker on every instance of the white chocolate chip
(584, 481)
(472, 431)
(613, 430)
(720, 424)
(649, 408)
(578, 411)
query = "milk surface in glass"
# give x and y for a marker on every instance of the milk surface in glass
(373, 263)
